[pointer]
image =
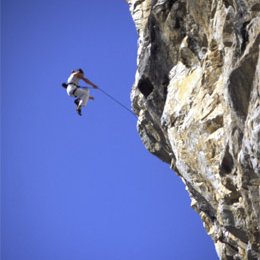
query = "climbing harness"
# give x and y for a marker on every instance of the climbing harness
(65, 85)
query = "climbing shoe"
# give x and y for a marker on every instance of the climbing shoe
(79, 110)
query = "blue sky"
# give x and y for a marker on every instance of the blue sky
(82, 187)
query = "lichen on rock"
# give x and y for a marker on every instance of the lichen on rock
(197, 98)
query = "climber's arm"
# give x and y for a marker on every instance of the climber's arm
(80, 75)
(89, 82)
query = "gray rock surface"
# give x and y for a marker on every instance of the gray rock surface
(197, 98)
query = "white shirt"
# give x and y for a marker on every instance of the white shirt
(71, 87)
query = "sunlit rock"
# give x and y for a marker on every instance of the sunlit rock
(197, 98)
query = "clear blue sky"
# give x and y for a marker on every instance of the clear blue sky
(82, 188)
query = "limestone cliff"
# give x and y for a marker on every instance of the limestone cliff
(197, 97)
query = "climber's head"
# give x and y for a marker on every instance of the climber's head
(78, 70)
(81, 71)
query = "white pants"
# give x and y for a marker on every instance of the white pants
(83, 95)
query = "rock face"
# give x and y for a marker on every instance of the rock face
(197, 98)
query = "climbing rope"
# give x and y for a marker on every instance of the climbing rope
(118, 102)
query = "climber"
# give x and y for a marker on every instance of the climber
(81, 93)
